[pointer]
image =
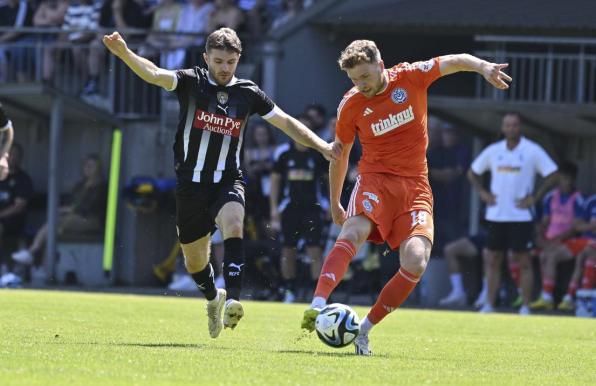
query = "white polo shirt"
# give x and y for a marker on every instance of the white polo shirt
(512, 176)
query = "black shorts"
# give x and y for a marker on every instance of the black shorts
(479, 240)
(299, 223)
(513, 236)
(197, 206)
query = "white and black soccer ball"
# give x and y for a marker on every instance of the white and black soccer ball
(337, 325)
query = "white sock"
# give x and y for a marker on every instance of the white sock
(546, 296)
(365, 326)
(457, 285)
(216, 298)
(318, 302)
(484, 286)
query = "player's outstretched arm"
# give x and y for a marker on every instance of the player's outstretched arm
(144, 68)
(6, 132)
(492, 72)
(337, 175)
(303, 135)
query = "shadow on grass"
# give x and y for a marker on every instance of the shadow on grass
(149, 345)
(342, 354)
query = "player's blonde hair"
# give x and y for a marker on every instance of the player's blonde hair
(359, 51)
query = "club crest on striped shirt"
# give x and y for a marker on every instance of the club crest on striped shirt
(222, 97)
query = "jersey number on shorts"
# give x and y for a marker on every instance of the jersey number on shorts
(418, 217)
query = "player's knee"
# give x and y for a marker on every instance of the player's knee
(194, 265)
(354, 235)
(233, 227)
(415, 260)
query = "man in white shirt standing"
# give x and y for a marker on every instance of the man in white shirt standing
(513, 164)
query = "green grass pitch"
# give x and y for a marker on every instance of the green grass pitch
(70, 338)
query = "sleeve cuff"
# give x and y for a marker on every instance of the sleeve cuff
(275, 111)
(174, 84)
(7, 126)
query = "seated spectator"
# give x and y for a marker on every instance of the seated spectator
(132, 14)
(299, 209)
(562, 208)
(257, 17)
(165, 19)
(291, 8)
(194, 19)
(586, 259)
(49, 14)
(15, 192)
(85, 214)
(226, 14)
(17, 14)
(469, 247)
(80, 20)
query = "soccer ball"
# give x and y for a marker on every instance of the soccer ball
(337, 325)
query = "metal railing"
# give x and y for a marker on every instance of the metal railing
(44, 55)
(555, 71)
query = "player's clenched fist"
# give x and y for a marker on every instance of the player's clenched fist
(115, 43)
(338, 214)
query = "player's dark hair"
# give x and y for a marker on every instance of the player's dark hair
(359, 51)
(223, 39)
(514, 113)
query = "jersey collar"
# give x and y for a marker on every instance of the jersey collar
(230, 83)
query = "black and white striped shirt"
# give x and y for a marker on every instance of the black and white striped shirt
(211, 126)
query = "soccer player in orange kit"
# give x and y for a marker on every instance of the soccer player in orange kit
(392, 199)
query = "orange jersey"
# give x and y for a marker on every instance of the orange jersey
(391, 126)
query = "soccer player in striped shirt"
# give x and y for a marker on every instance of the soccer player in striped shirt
(214, 109)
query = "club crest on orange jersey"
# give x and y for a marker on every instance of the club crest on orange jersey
(222, 97)
(399, 95)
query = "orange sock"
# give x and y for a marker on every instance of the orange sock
(334, 268)
(548, 285)
(395, 292)
(515, 272)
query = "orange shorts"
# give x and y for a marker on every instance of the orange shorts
(399, 207)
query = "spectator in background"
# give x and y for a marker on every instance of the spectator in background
(291, 8)
(165, 19)
(468, 247)
(15, 192)
(448, 163)
(17, 14)
(226, 14)
(562, 209)
(85, 214)
(132, 14)
(258, 163)
(258, 14)
(49, 14)
(299, 213)
(513, 163)
(81, 19)
(587, 257)
(318, 116)
(194, 19)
